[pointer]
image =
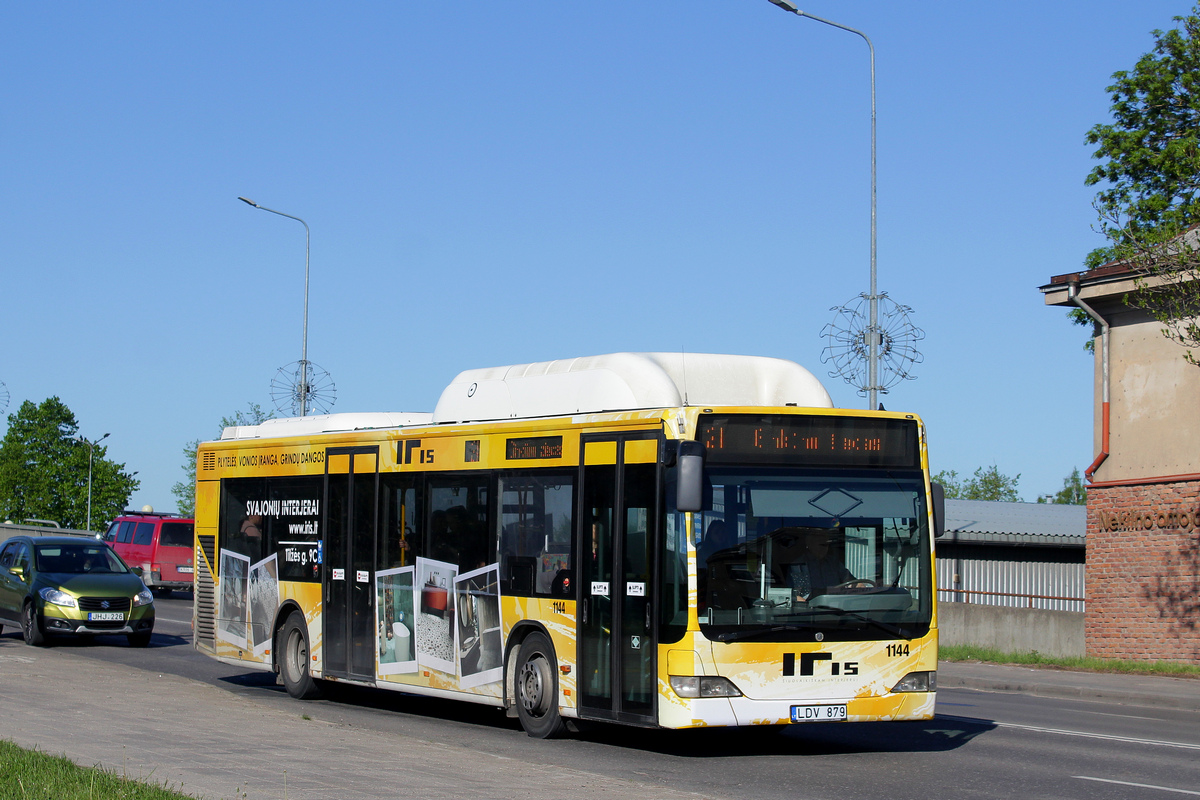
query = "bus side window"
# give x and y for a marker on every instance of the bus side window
(535, 533)
(458, 514)
(400, 540)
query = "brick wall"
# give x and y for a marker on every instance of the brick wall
(1143, 572)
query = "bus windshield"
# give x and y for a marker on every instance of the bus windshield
(789, 554)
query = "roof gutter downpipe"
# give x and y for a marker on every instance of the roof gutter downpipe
(1073, 296)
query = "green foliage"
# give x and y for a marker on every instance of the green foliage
(986, 484)
(185, 490)
(1073, 493)
(1149, 179)
(33, 774)
(1150, 153)
(44, 470)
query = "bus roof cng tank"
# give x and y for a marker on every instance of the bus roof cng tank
(625, 382)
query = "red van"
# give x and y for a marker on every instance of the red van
(160, 544)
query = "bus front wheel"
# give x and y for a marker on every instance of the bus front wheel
(293, 666)
(537, 688)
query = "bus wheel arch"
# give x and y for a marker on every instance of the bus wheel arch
(281, 617)
(294, 658)
(532, 676)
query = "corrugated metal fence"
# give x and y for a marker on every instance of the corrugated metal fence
(1018, 584)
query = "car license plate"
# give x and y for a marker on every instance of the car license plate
(183, 569)
(834, 713)
(105, 616)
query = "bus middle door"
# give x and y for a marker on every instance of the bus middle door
(351, 488)
(618, 519)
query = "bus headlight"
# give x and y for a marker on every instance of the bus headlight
(917, 682)
(694, 686)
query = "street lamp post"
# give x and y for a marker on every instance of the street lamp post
(304, 348)
(91, 449)
(873, 337)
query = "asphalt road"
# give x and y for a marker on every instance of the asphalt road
(982, 744)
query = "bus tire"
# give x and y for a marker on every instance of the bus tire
(536, 688)
(31, 626)
(293, 665)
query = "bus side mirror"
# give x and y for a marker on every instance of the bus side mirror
(689, 488)
(937, 493)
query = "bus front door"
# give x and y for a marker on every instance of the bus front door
(351, 487)
(618, 520)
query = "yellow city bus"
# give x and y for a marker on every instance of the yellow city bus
(671, 540)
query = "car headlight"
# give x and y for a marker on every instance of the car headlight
(695, 686)
(51, 595)
(143, 598)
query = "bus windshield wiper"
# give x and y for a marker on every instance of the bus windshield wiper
(899, 633)
(737, 636)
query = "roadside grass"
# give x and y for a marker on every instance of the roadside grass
(34, 775)
(969, 652)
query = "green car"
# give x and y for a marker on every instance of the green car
(51, 585)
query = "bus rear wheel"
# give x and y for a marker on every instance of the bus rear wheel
(537, 688)
(293, 665)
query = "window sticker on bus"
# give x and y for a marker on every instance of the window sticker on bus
(600, 588)
(339, 574)
(635, 590)
(362, 576)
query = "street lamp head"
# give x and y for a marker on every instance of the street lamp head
(788, 5)
(102, 438)
(248, 201)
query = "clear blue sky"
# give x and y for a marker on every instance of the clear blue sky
(499, 183)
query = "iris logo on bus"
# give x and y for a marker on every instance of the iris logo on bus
(808, 663)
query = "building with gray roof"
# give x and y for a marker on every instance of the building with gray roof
(1028, 555)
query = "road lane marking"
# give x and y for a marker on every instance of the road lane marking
(1119, 716)
(1138, 785)
(1104, 736)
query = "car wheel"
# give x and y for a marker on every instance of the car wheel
(537, 688)
(140, 639)
(31, 626)
(293, 666)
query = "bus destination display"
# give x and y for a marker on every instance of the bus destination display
(535, 447)
(819, 440)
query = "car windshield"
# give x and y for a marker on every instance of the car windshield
(78, 559)
(786, 553)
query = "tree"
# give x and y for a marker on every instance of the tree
(1150, 180)
(185, 490)
(986, 484)
(1073, 493)
(44, 470)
